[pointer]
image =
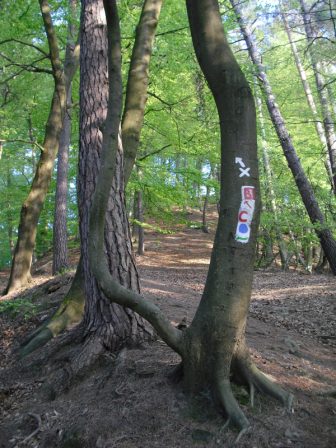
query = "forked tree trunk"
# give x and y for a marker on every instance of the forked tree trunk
(213, 348)
(114, 325)
(32, 206)
(305, 189)
(74, 301)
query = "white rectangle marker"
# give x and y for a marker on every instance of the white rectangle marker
(245, 214)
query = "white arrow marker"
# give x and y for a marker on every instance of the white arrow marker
(240, 161)
(244, 172)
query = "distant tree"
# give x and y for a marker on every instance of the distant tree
(60, 234)
(305, 189)
(32, 206)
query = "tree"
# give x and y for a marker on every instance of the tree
(305, 189)
(213, 348)
(121, 325)
(60, 234)
(32, 206)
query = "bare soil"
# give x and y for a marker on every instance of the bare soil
(128, 401)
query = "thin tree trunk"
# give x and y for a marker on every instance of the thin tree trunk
(32, 207)
(270, 189)
(115, 326)
(322, 91)
(311, 102)
(205, 228)
(141, 233)
(305, 189)
(60, 236)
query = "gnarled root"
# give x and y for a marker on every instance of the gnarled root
(247, 371)
(258, 380)
(232, 409)
(69, 313)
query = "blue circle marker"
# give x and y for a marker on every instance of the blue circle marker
(243, 228)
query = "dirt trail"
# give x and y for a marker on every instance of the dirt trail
(128, 401)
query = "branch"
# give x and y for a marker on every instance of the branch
(27, 67)
(27, 44)
(28, 142)
(149, 154)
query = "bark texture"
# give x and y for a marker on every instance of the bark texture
(32, 206)
(114, 325)
(138, 77)
(306, 191)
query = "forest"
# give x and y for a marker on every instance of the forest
(167, 223)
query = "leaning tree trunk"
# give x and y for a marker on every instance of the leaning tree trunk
(311, 102)
(32, 206)
(305, 189)
(137, 83)
(115, 326)
(213, 348)
(271, 199)
(328, 123)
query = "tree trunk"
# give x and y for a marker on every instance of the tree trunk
(305, 189)
(217, 333)
(137, 83)
(311, 102)
(140, 218)
(60, 236)
(32, 207)
(137, 98)
(114, 325)
(271, 202)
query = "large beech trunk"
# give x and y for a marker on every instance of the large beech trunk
(32, 206)
(215, 341)
(213, 348)
(114, 325)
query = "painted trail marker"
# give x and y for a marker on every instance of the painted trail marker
(245, 214)
(244, 171)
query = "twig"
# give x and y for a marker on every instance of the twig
(36, 431)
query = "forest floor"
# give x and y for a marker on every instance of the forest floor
(128, 401)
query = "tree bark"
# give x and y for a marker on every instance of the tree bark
(305, 189)
(271, 200)
(137, 83)
(114, 325)
(32, 207)
(60, 236)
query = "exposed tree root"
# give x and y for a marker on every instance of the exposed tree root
(246, 370)
(69, 313)
(232, 409)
